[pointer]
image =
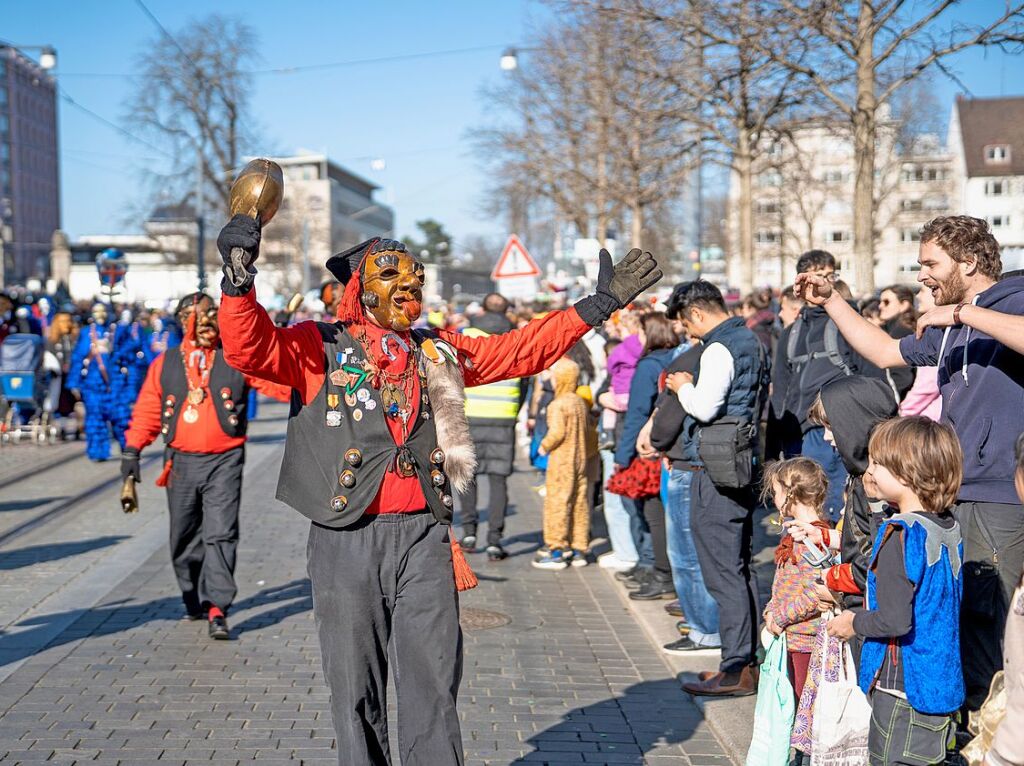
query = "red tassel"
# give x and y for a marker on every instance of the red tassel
(165, 475)
(464, 577)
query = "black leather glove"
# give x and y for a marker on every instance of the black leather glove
(240, 232)
(130, 464)
(618, 285)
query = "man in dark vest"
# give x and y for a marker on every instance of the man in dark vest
(377, 445)
(198, 402)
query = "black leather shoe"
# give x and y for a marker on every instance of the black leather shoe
(639, 580)
(628, 575)
(657, 586)
(219, 628)
(496, 553)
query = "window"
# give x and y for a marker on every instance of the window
(998, 221)
(768, 208)
(910, 235)
(767, 237)
(995, 188)
(997, 154)
(915, 173)
(910, 205)
(838, 236)
(833, 176)
(769, 178)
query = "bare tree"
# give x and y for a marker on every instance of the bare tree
(193, 97)
(859, 54)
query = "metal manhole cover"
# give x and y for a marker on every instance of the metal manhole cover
(482, 619)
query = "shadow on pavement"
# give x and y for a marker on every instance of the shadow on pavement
(37, 554)
(25, 505)
(649, 718)
(124, 615)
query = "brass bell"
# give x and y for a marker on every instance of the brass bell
(168, 412)
(446, 501)
(347, 479)
(437, 456)
(339, 503)
(354, 457)
(233, 420)
(164, 430)
(229, 405)
(437, 478)
(169, 401)
(225, 393)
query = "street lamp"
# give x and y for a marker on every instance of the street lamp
(509, 60)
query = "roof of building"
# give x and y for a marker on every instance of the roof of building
(335, 171)
(991, 122)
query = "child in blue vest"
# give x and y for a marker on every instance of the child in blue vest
(910, 663)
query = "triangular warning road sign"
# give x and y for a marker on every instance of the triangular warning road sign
(515, 261)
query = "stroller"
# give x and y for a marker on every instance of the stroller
(26, 408)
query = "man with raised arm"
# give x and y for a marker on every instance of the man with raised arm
(974, 336)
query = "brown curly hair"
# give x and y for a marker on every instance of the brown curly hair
(965, 239)
(924, 455)
(803, 480)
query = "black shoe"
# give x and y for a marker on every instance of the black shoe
(219, 628)
(639, 580)
(496, 553)
(468, 543)
(628, 575)
(685, 646)
(193, 616)
(657, 586)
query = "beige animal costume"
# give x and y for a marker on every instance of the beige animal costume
(566, 513)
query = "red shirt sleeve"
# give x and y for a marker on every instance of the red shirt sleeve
(273, 390)
(146, 422)
(519, 353)
(840, 578)
(254, 345)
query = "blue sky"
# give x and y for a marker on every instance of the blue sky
(414, 114)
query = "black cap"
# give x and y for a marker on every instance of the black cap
(344, 265)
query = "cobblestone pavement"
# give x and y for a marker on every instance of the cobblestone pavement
(98, 668)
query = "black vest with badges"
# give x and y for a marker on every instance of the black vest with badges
(227, 386)
(339, 447)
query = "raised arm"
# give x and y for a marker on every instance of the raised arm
(1008, 329)
(871, 342)
(542, 342)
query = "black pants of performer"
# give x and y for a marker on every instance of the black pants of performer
(722, 526)
(990, 577)
(203, 496)
(384, 599)
(497, 504)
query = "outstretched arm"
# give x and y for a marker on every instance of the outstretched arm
(1008, 329)
(871, 342)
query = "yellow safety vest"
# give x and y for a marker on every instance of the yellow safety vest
(495, 401)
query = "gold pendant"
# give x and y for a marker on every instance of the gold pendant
(191, 414)
(196, 396)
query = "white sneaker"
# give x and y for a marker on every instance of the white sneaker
(611, 561)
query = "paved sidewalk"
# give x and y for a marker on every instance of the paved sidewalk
(570, 678)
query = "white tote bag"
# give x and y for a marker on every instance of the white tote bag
(842, 715)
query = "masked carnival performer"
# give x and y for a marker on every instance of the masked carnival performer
(99, 380)
(197, 401)
(377, 444)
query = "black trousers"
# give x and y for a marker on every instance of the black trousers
(990, 577)
(654, 515)
(722, 526)
(497, 505)
(384, 599)
(203, 497)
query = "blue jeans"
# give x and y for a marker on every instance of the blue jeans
(700, 608)
(618, 520)
(816, 448)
